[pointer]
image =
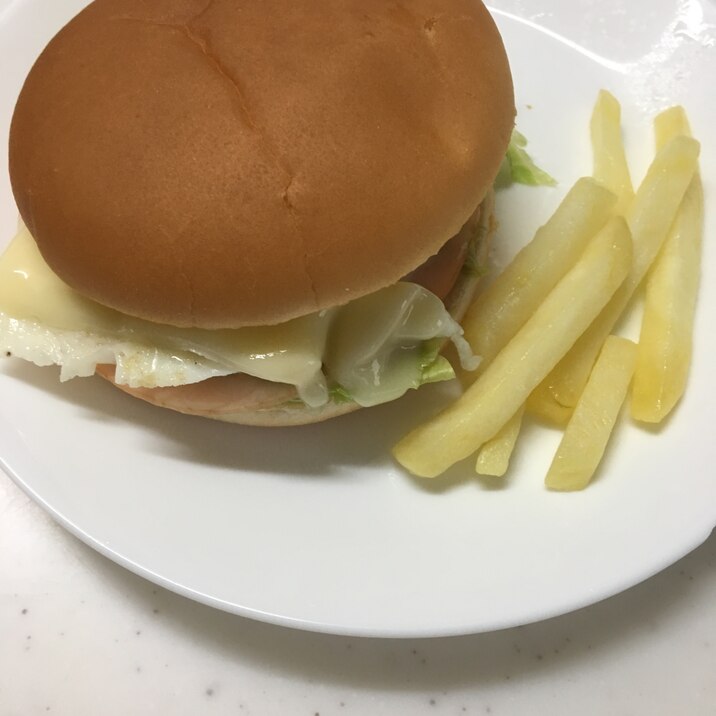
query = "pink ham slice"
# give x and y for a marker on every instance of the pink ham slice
(213, 397)
(439, 273)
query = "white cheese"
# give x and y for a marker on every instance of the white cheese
(371, 347)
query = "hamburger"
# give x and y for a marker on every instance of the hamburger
(269, 213)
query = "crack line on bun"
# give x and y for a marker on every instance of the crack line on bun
(217, 64)
(203, 44)
(214, 60)
(281, 164)
(202, 12)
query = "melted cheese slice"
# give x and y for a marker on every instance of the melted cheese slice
(374, 348)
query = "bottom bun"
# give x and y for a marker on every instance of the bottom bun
(285, 416)
(246, 400)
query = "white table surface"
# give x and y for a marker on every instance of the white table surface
(80, 636)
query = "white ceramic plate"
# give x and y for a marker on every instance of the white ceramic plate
(315, 527)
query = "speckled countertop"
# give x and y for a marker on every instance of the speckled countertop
(80, 636)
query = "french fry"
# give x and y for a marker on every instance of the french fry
(508, 380)
(664, 353)
(586, 436)
(671, 123)
(494, 456)
(499, 312)
(610, 164)
(650, 215)
(542, 405)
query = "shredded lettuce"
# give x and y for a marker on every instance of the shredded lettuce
(518, 167)
(376, 347)
(434, 367)
(438, 371)
(435, 371)
(339, 394)
(472, 266)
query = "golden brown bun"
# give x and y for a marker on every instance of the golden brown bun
(234, 162)
(246, 400)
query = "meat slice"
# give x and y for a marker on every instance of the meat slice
(213, 397)
(440, 272)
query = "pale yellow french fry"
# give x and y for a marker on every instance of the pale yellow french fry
(664, 354)
(508, 380)
(499, 312)
(610, 164)
(650, 215)
(587, 433)
(671, 123)
(541, 404)
(494, 456)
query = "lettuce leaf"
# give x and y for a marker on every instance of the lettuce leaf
(438, 371)
(339, 395)
(518, 167)
(434, 368)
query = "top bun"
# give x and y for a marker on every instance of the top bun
(232, 162)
